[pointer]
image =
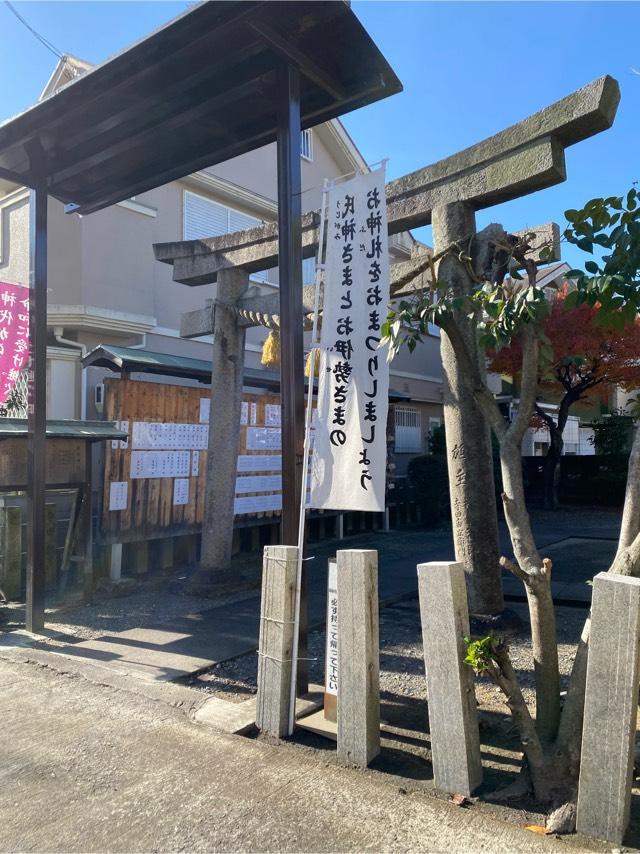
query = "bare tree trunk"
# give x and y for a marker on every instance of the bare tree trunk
(536, 576)
(556, 447)
(631, 513)
(469, 457)
(552, 470)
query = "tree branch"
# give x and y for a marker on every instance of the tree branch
(528, 385)
(631, 513)
(503, 675)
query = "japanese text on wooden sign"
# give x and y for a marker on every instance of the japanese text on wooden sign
(349, 428)
(14, 335)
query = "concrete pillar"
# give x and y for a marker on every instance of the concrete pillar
(610, 709)
(358, 657)
(453, 717)
(469, 456)
(115, 562)
(276, 639)
(138, 557)
(166, 553)
(340, 525)
(227, 364)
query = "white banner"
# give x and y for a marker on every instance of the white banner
(350, 425)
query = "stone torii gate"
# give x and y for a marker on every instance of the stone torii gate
(524, 158)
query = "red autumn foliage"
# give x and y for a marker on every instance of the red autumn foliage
(589, 358)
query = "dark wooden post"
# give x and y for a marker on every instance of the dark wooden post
(37, 409)
(87, 523)
(291, 319)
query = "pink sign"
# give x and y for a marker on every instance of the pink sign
(14, 335)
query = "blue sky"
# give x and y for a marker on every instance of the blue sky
(468, 69)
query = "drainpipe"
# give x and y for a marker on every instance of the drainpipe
(58, 332)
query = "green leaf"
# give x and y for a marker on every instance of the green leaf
(591, 267)
(571, 299)
(585, 245)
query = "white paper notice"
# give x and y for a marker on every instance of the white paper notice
(259, 462)
(205, 407)
(264, 439)
(160, 464)
(257, 504)
(181, 490)
(272, 415)
(118, 491)
(195, 464)
(151, 435)
(254, 413)
(244, 412)
(259, 483)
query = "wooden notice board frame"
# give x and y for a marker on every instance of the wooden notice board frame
(150, 512)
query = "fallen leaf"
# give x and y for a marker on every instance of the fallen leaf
(536, 828)
(458, 800)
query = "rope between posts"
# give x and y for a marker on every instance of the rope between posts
(283, 660)
(274, 620)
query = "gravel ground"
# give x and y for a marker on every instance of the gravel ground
(401, 663)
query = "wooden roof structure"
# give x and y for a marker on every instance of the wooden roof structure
(222, 79)
(198, 91)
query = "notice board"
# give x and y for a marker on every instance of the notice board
(154, 482)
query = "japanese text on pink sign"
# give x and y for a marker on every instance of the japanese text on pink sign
(14, 335)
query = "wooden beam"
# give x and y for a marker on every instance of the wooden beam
(37, 411)
(291, 335)
(297, 59)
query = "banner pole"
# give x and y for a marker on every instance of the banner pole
(307, 450)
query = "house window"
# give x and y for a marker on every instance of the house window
(306, 144)
(205, 218)
(408, 428)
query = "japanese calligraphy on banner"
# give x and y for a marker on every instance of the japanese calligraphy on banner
(349, 437)
(14, 335)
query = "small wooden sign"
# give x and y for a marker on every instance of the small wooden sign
(331, 652)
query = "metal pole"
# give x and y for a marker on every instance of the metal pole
(315, 343)
(291, 320)
(37, 409)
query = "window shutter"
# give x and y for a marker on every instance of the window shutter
(239, 221)
(203, 217)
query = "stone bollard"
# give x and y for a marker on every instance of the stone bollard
(453, 716)
(358, 657)
(610, 709)
(276, 639)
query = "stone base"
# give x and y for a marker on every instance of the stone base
(507, 623)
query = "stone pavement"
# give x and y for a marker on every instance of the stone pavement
(89, 767)
(580, 543)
